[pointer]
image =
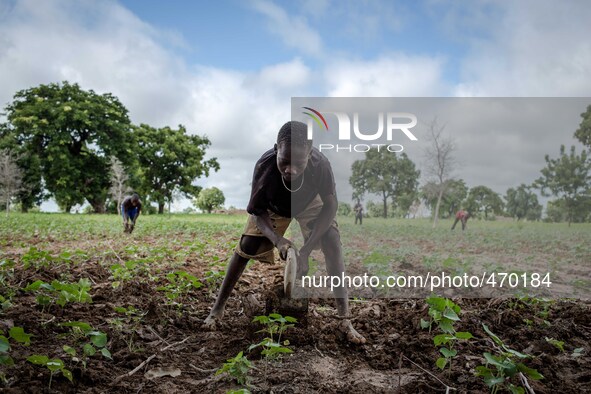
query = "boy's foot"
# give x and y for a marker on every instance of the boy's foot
(352, 335)
(212, 321)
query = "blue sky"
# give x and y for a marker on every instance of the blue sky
(228, 69)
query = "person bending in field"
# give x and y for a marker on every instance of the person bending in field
(462, 216)
(130, 210)
(291, 180)
(358, 208)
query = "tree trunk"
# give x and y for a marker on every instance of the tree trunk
(160, 207)
(439, 197)
(385, 205)
(98, 206)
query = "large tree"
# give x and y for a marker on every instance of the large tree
(386, 174)
(568, 178)
(439, 163)
(170, 160)
(483, 199)
(210, 199)
(70, 134)
(455, 191)
(522, 203)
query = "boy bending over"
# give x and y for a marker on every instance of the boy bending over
(292, 180)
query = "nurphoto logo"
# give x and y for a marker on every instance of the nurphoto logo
(392, 123)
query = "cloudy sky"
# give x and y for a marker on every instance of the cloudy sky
(228, 69)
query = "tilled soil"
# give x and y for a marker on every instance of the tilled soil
(399, 356)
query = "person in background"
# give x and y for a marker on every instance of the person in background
(130, 210)
(462, 216)
(358, 208)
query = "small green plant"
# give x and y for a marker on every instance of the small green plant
(446, 343)
(213, 279)
(60, 292)
(499, 369)
(179, 283)
(81, 331)
(556, 343)
(121, 273)
(54, 365)
(275, 326)
(237, 367)
(443, 312)
(18, 335)
(37, 258)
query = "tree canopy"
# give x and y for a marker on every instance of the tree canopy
(568, 178)
(522, 203)
(386, 174)
(455, 191)
(170, 160)
(66, 136)
(485, 200)
(210, 199)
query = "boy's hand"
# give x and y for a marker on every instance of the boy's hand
(282, 245)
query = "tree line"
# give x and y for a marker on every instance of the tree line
(78, 146)
(394, 179)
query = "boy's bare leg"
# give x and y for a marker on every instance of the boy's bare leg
(333, 254)
(455, 222)
(234, 270)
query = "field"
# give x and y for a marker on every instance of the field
(104, 303)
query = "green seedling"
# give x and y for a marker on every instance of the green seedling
(54, 365)
(446, 343)
(275, 326)
(37, 258)
(214, 278)
(179, 283)
(239, 391)
(443, 312)
(499, 369)
(237, 367)
(60, 292)
(556, 343)
(121, 273)
(18, 335)
(81, 332)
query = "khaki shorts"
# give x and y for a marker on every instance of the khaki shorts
(306, 220)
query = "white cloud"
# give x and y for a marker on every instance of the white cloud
(534, 48)
(116, 52)
(293, 30)
(395, 75)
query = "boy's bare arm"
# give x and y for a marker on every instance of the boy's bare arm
(264, 224)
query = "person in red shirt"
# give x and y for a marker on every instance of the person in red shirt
(462, 216)
(292, 180)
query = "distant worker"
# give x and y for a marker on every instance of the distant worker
(130, 210)
(463, 216)
(358, 208)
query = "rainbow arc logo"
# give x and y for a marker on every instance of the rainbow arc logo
(317, 117)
